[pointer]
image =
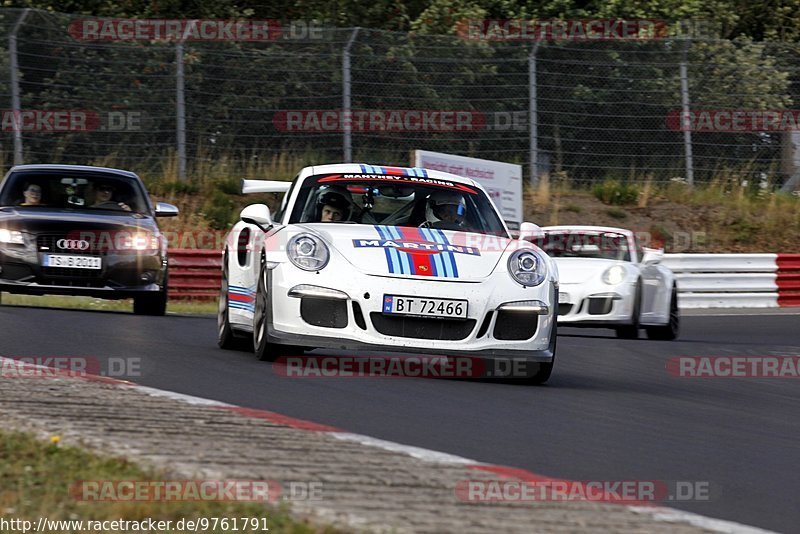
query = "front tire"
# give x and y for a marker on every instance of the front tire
(631, 331)
(154, 304)
(226, 339)
(542, 375)
(265, 351)
(669, 331)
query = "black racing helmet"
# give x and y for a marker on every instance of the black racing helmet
(336, 197)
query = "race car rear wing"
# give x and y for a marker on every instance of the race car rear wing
(264, 186)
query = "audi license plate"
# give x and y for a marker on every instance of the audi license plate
(425, 307)
(72, 262)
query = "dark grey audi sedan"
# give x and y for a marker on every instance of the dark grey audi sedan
(76, 230)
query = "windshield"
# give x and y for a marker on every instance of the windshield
(396, 201)
(601, 245)
(74, 190)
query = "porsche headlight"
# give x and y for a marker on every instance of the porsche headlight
(11, 237)
(527, 267)
(308, 252)
(614, 275)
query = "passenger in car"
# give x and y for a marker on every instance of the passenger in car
(103, 199)
(32, 195)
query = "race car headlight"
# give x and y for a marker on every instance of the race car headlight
(614, 275)
(11, 237)
(527, 268)
(308, 252)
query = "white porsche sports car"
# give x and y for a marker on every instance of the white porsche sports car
(386, 258)
(607, 279)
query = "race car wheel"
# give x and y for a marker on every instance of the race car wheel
(669, 331)
(265, 351)
(155, 304)
(225, 336)
(542, 375)
(631, 331)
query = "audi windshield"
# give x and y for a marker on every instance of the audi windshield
(74, 190)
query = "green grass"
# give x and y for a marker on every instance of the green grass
(617, 213)
(614, 192)
(36, 475)
(202, 307)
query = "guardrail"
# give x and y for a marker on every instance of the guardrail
(194, 274)
(704, 280)
(736, 280)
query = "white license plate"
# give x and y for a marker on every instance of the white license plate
(563, 297)
(72, 262)
(425, 307)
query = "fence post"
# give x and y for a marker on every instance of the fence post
(533, 118)
(347, 119)
(180, 111)
(686, 122)
(15, 99)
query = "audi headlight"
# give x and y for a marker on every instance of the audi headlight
(11, 237)
(527, 267)
(308, 252)
(614, 275)
(137, 241)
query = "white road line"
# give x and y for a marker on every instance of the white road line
(426, 455)
(189, 399)
(670, 515)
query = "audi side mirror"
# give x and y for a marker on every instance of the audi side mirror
(166, 210)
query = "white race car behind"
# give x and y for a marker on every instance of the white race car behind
(400, 270)
(607, 279)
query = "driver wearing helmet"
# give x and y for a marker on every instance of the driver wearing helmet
(446, 210)
(333, 206)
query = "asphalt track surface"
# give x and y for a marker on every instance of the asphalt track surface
(611, 411)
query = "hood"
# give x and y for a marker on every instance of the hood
(413, 252)
(61, 221)
(580, 270)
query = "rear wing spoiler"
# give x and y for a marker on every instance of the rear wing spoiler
(264, 186)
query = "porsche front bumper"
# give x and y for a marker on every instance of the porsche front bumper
(344, 311)
(595, 305)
